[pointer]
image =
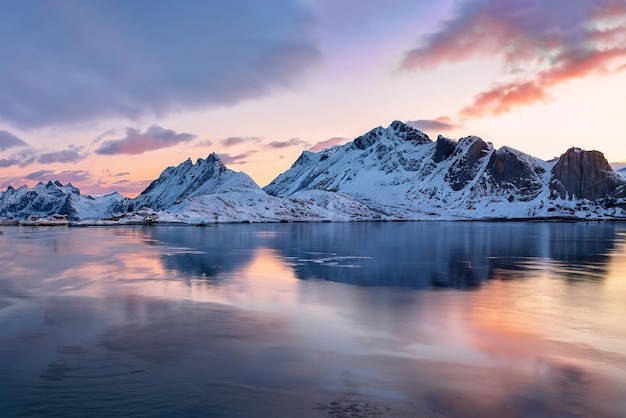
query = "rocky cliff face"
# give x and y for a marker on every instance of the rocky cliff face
(400, 172)
(585, 175)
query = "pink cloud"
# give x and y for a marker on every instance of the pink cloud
(542, 43)
(137, 142)
(440, 124)
(328, 143)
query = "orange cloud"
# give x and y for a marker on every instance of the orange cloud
(505, 97)
(548, 43)
(336, 140)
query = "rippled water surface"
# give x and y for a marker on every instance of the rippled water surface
(319, 320)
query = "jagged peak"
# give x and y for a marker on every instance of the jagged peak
(470, 139)
(214, 157)
(396, 129)
(408, 132)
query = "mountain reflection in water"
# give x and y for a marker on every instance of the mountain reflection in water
(314, 320)
(419, 255)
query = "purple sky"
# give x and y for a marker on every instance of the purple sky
(106, 94)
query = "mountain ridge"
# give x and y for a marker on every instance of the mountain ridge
(393, 173)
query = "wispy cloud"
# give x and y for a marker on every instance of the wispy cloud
(336, 140)
(228, 159)
(288, 143)
(8, 140)
(71, 155)
(239, 140)
(20, 159)
(108, 132)
(67, 176)
(38, 175)
(440, 124)
(137, 142)
(205, 143)
(162, 56)
(541, 43)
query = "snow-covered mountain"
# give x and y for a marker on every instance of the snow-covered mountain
(207, 191)
(622, 172)
(402, 173)
(55, 198)
(188, 180)
(394, 173)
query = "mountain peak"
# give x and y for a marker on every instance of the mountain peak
(409, 133)
(584, 175)
(397, 130)
(207, 176)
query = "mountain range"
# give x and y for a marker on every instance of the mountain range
(393, 173)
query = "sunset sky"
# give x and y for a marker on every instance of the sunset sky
(106, 94)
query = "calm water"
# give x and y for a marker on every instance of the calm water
(319, 320)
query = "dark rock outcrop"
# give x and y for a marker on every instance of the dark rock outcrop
(409, 133)
(368, 139)
(580, 174)
(511, 173)
(399, 129)
(465, 169)
(445, 147)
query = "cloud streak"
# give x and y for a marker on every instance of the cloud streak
(440, 124)
(71, 155)
(71, 67)
(542, 44)
(239, 140)
(240, 159)
(289, 143)
(137, 142)
(8, 140)
(336, 140)
(19, 159)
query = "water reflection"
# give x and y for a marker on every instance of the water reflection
(266, 320)
(418, 255)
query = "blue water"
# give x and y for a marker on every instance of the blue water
(369, 319)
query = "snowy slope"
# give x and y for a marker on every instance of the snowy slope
(394, 173)
(402, 173)
(310, 206)
(208, 192)
(187, 180)
(622, 172)
(55, 198)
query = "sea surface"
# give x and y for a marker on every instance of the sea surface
(406, 319)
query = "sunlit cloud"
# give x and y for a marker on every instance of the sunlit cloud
(67, 176)
(137, 142)
(161, 58)
(240, 140)
(71, 155)
(19, 159)
(336, 140)
(542, 44)
(8, 140)
(108, 132)
(440, 124)
(228, 159)
(125, 187)
(204, 144)
(37, 175)
(289, 143)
